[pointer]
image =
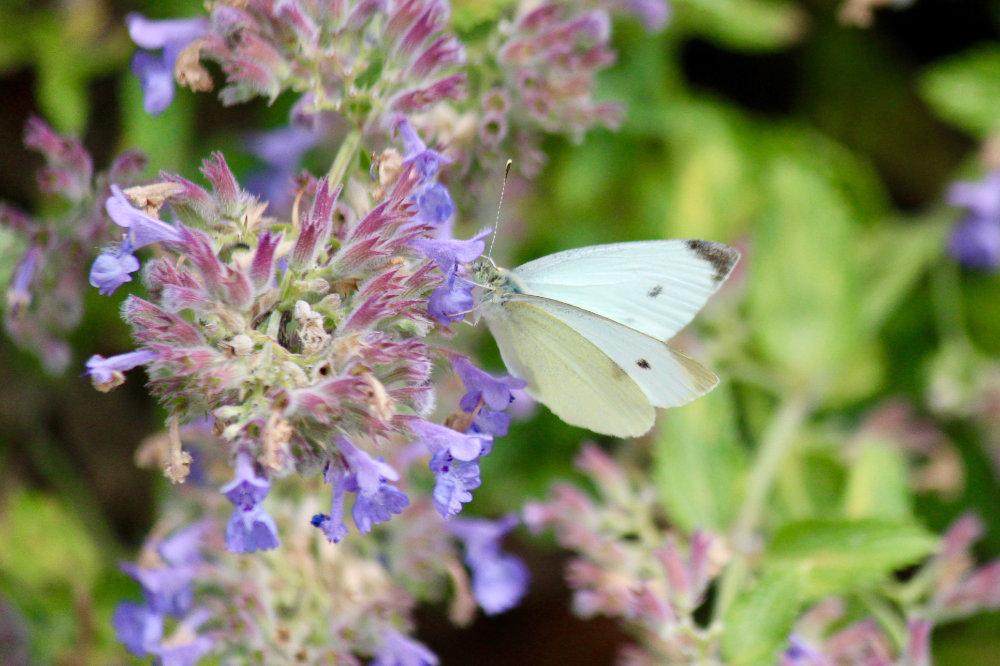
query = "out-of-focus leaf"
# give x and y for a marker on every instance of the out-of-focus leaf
(803, 296)
(964, 89)
(754, 25)
(467, 14)
(811, 480)
(894, 259)
(712, 191)
(758, 623)
(842, 556)
(42, 543)
(698, 464)
(877, 485)
(166, 139)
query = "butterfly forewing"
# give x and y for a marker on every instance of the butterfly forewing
(655, 287)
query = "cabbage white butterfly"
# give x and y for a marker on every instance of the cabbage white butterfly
(587, 328)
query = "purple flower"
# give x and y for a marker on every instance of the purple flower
(400, 650)
(982, 197)
(167, 590)
(801, 653)
(247, 489)
(156, 73)
(434, 205)
(453, 483)
(185, 647)
(250, 531)
(496, 393)
(250, 528)
(451, 301)
(424, 160)
(377, 501)
(975, 243)
(112, 269)
(499, 580)
(333, 525)
(137, 627)
(103, 371)
(143, 229)
(439, 438)
(183, 548)
(448, 252)
(18, 296)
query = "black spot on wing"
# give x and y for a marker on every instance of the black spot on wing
(643, 363)
(655, 291)
(722, 257)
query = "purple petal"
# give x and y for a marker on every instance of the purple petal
(250, 531)
(110, 271)
(101, 369)
(247, 489)
(143, 229)
(158, 34)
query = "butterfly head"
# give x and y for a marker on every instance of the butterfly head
(486, 273)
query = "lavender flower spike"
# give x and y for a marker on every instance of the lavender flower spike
(250, 527)
(107, 373)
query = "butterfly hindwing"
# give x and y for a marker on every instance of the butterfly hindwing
(566, 371)
(667, 377)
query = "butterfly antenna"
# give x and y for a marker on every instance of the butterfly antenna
(503, 188)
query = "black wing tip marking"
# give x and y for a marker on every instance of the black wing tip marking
(643, 363)
(655, 291)
(722, 257)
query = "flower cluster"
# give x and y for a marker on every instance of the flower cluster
(166, 573)
(345, 604)
(626, 566)
(975, 242)
(947, 587)
(44, 300)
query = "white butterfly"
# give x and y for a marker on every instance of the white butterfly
(587, 328)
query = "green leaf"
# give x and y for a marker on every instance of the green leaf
(877, 484)
(698, 464)
(964, 89)
(842, 556)
(43, 544)
(894, 259)
(743, 24)
(757, 625)
(803, 289)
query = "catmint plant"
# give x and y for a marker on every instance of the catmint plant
(304, 333)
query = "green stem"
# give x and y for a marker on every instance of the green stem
(946, 300)
(345, 157)
(774, 449)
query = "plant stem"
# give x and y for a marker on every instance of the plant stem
(773, 450)
(345, 155)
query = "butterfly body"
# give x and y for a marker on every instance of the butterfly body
(587, 328)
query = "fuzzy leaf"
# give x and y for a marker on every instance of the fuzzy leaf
(759, 621)
(877, 484)
(841, 556)
(698, 465)
(753, 25)
(964, 89)
(803, 300)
